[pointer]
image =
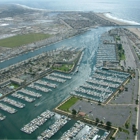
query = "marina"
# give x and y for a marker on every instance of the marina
(82, 131)
(108, 78)
(25, 98)
(107, 50)
(102, 83)
(54, 128)
(73, 131)
(55, 79)
(113, 73)
(101, 86)
(13, 102)
(7, 108)
(50, 101)
(39, 88)
(36, 122)
(60, 75)
(31, 93)
(41, 82)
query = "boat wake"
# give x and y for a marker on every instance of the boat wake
(108, 15)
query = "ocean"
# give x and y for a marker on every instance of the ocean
(123, 10)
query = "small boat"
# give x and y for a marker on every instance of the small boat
(36, 105)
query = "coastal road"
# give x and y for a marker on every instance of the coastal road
(137, 62)
(137, 137)
(133, 62)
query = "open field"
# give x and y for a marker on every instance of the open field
(68, 104)
(20, 40)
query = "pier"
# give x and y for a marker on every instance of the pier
(60, 75)
(25, 98)
(37, 122)
(55, 79)
(7, 108)
(13, 102)
(102, 85)
(39, 88)
(31, 93)
(40, 82)
(54, 128)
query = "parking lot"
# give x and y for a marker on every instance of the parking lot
(115, 114)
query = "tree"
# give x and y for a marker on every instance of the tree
(134, 129)
(74, 112)
(137, 101)
(99, 102)
(97, 120)
(120, 46)
(101, 122)
(108, 124)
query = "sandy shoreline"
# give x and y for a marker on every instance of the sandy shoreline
(134, 30)
(112, 20)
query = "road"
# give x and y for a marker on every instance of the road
(136, 61)
(133, 61)
(137, 137)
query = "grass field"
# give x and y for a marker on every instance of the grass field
(68, 104)
(15, 85)
(20, 40)
(64, 67)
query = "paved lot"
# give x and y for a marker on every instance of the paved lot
(130, 60)
(115, 114)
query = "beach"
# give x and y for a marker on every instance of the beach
(102, 15)
(135, 31)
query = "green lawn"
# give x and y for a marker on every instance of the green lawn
(122, 57)
(68, 104)
(64, 67)
(15, 85)
(20, 40)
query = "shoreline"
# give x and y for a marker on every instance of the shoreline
(136, 31)
(102, 15)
